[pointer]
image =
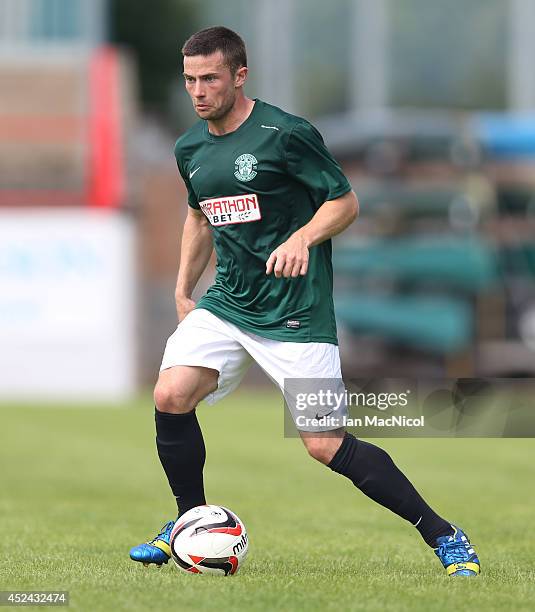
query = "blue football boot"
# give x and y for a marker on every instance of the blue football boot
(457, 554)
(157, 550)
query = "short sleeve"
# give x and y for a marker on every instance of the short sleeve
(192, 198)
(310, 162)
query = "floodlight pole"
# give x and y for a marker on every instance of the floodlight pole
(274, 52)
(95, 16)
(369, 55)
(521, 76)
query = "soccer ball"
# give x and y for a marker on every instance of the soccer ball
(209, 540)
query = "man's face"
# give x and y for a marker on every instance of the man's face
(211, 85)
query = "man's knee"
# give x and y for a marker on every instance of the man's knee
(180, 390)
(323, 448)
(177, 396)
(170, 397)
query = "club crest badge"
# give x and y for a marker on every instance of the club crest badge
(245, 167)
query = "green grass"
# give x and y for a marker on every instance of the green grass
(81, 485)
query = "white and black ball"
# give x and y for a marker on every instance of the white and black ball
(209, 540)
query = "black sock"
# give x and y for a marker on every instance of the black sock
(182, 453)
(372, 470)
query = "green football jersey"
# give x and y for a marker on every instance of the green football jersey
(257, 186)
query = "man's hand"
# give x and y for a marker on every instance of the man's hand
(290, 259)
(195, 252)
(184, 306)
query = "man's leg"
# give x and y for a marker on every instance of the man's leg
(179, 438)
(204, 339)
(372, 470)
(180, 447)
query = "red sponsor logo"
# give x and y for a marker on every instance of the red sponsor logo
(232, 209)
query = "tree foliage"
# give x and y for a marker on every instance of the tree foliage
(154, 31)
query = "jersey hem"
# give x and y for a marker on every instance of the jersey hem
(270, 334)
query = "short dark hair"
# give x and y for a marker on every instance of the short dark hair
(218, 38)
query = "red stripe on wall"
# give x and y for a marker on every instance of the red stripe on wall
(106, 169)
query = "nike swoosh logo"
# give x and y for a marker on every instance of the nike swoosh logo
(269, 127)
(318, 417)
(196, 170)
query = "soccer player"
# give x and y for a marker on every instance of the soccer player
(265, 191)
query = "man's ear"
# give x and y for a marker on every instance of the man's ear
(241, 76)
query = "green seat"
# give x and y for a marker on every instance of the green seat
(468, 264)
(412, 203)
(435, 324)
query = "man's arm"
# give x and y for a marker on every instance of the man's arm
(195, 253)
(290, 259)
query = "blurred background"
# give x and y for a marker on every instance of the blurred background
(429, 107)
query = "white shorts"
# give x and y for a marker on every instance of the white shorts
(202, 339)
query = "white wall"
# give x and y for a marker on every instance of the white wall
(67, 304)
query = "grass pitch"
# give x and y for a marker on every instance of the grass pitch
(81, 485)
